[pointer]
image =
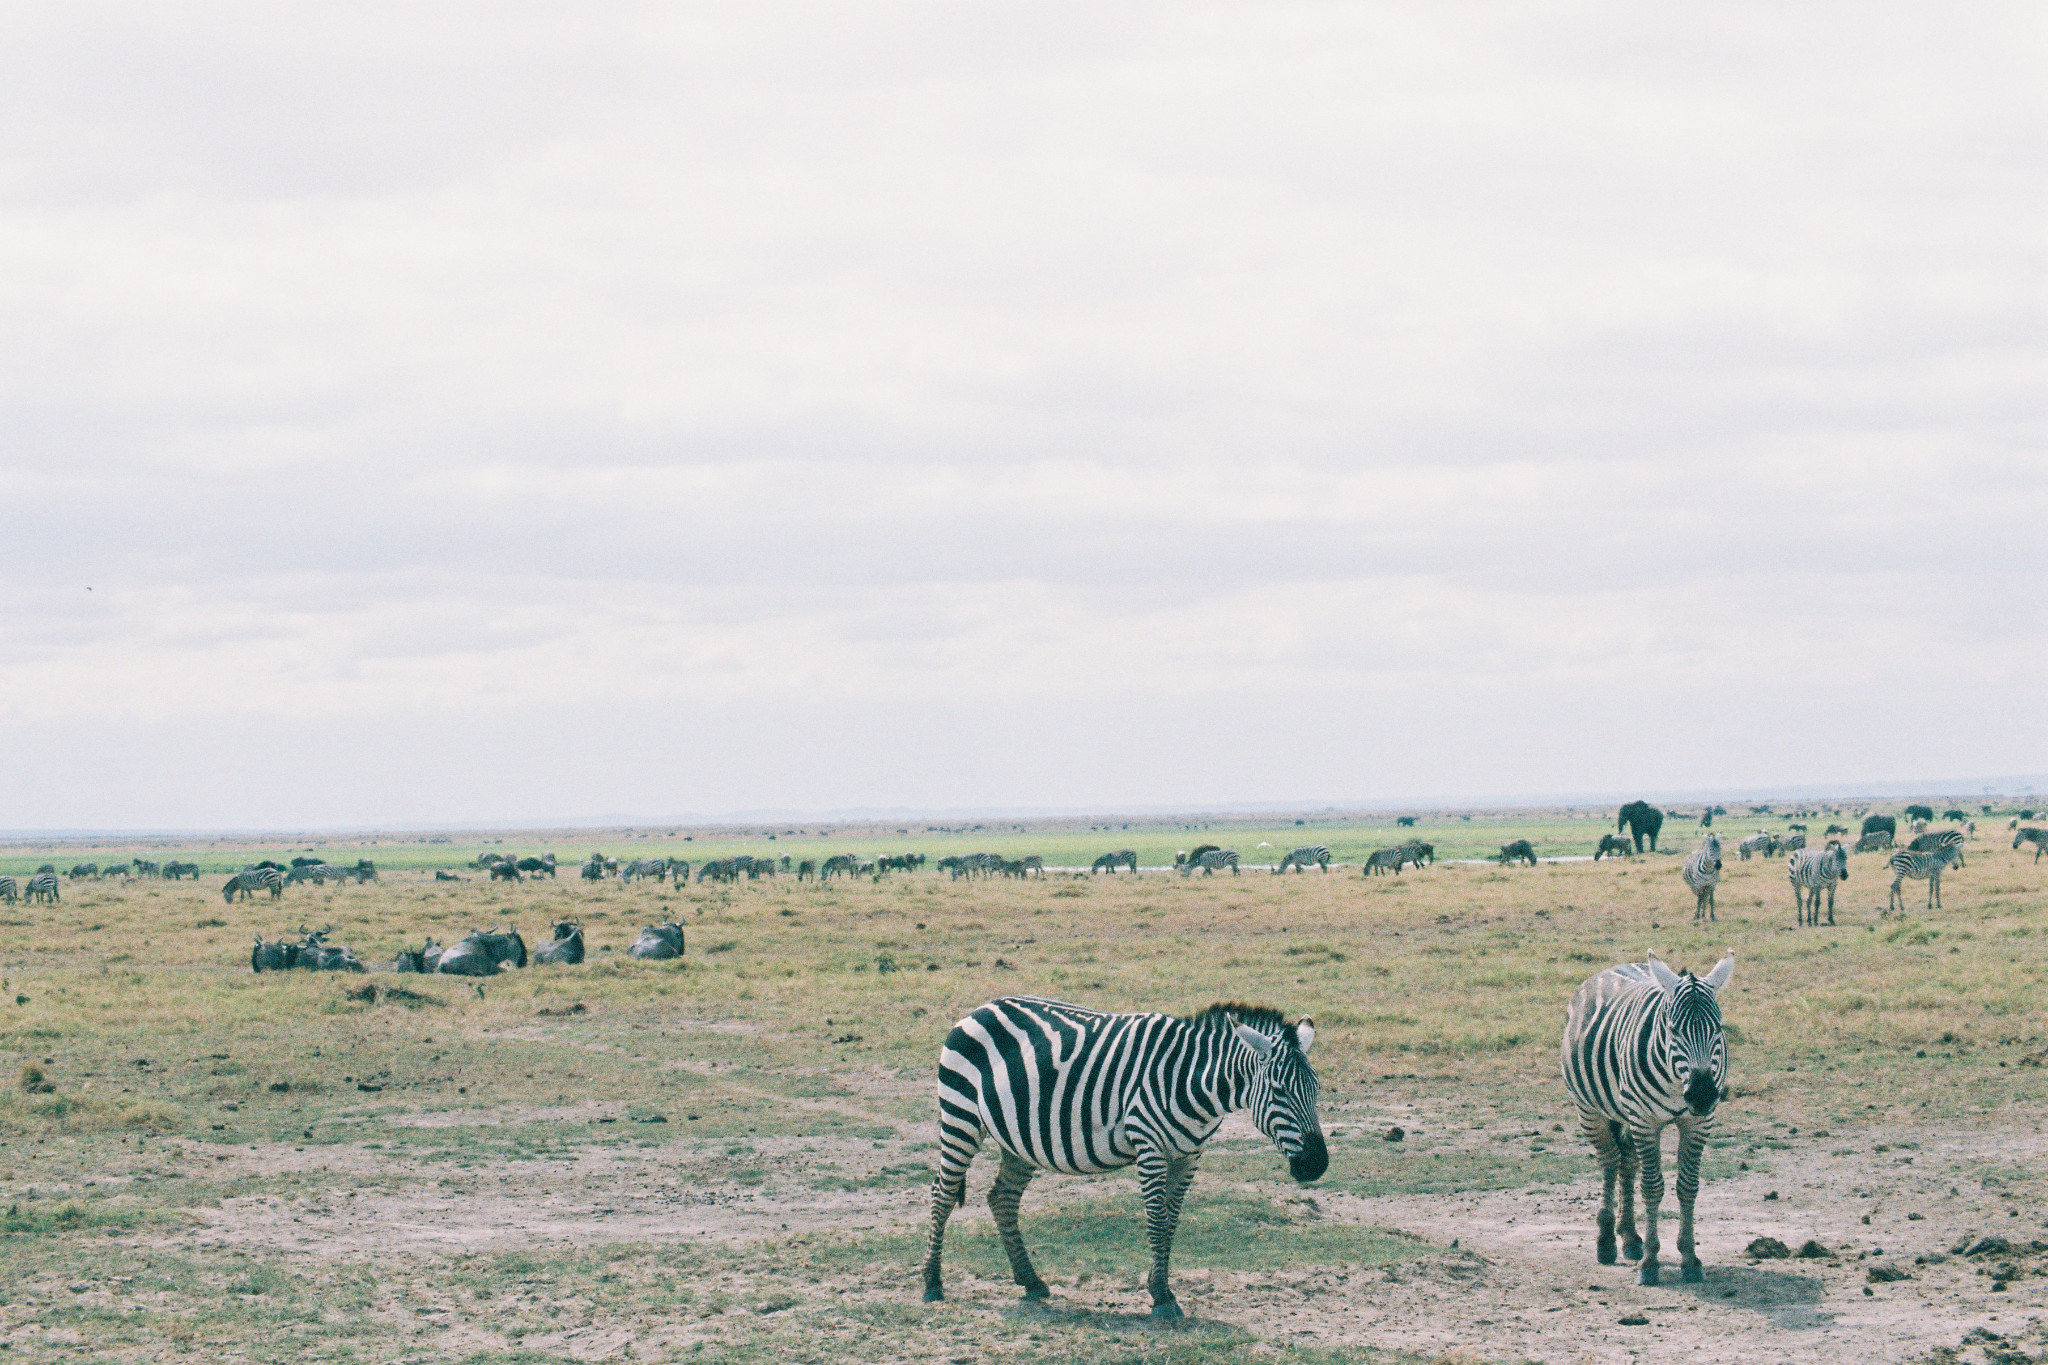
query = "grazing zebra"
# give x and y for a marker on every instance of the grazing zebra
(1069, 1089)
(1810, 870)
(248, 883)
(807, 869)
(1921, 867)
(593, 871)
(1210, 861)
(1759, 843)
(1616, 844)
(2037, 837)
(679, 871)
(1300, 858)
(1032, 863)
(1702, 872)
(656, 868)
(1110, 862)
(1874, 840)
(1791, 843)
(1942, 838)
(1643, 1048)
(43, 887)
(1420, 853)
(10, 890)
(1517, 851)
(1388, 859)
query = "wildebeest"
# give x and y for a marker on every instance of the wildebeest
(506, 871)
(1110, 862)
(307, 862)
(1836, 829)
(79, 870)
(442, 874)
(1889, 824)
(593, 869)
(478, 953)
(275, 956)
(1404, 820)
(317, 954)
(1642, 820)
(658, 942)
(1616, 844)
(537, 867)
(1519, 850)
(180, 871)
(421, 960)
(567, 947)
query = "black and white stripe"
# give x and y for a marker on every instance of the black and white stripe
(1300, 858)
(1926, 866)
(43, 887)
(10, 890)
(1811, 870)
(1702, 872)
(1123, 857)
(1644, 1048)
(249, 881)
(1950, 839)
(1064, 1088)
(1210, 861)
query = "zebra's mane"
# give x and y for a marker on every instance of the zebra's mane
(1228, 1014)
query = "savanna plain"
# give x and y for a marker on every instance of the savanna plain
(727, 1156)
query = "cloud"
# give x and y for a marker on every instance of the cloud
(1493, 402)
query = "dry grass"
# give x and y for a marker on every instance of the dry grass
(790, 1056)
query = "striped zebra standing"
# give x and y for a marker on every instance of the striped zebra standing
(44, 887)
(1110, 862)
(1064, 1088)
(1950, 839)
(1811, 869)
(249, 881)
(1300, 858)
(2037, 837)
(1210, 861)
(1702, 872)
(1924, 866)
(10, 890)
(1644, 1048)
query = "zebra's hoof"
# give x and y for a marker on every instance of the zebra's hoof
(1168, 1311)
(1035, 1292)
(1632, 1251)
(1692, 1272)
(1605, 1251)
(1648, 1274)
(934, 1294)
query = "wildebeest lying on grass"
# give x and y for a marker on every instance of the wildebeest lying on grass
(1521, 850)
(567, 947)
(422, 960)
(481, 954)
(314, 953)
(658, 942)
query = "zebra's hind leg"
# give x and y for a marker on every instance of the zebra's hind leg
(1003, 1200)
(1601, 1136)
(1631, 1162)
(949, 1191)
(1652, 1164)
(1691, 1139)
(1164, 1183)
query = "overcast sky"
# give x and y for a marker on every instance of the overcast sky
(422, 413)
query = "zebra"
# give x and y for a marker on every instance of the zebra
(10, 890)
(247, 883)
(44, 887)
(1123, 857)
(1385, 859)
(593, 870)
(1300, 858)
(1759, 843)
(1032, 863)
(1810, 870)
(656, 868)
(1064, 1088)
(2037, 837)
(1921, 867)
(1702, 872)
(679, 871)
(1874, 841)
(1791, 843)
(1210, 861)
(807, 869)
(1420, 853)
(1644, 1047)
(1951, 839)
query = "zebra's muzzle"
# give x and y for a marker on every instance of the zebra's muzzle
(1702, 1094)
(1312, 1160)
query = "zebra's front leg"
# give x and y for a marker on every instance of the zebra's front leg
(1631, 1242)
(1164, 1183)
(1003, 1199)
(1831, 905)
(1692, 1139)
(949, 1191)
(1598, 1133)
(1652, 1163)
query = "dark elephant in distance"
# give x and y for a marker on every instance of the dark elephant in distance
(1642, 820)
(1888, 823)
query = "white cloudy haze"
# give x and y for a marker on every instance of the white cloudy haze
(540, 411)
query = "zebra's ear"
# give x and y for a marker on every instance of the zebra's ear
(1663, 975)
(1259, 1043)
(1718, 977)
(1305, 1034)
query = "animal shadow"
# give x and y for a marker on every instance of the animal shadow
(1104, 1320)
(1790, 1300)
